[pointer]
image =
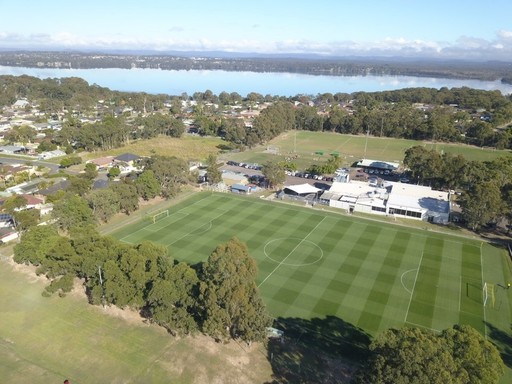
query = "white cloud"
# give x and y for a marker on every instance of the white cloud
(464, 47)
(176, 28)
(505, 34)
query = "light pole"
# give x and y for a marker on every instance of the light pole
(102, 289)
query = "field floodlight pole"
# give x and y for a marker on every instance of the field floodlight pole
(101, 279)
(102, 289)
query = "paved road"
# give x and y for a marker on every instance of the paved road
(54, 168)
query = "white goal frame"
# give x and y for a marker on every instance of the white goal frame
(159, 215)
(488, 295)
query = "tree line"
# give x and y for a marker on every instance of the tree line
(486, 186)
(218, 297)
(295, 64)
(465, 115)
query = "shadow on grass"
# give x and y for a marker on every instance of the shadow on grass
(317, 351)
(224, 147)
(503, 342)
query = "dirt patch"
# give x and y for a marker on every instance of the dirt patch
(238, 362)
(128, 315)
(28, 270)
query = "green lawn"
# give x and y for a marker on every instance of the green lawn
(352, 148)
(46, 340)
(314, 263)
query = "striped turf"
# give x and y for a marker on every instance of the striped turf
(313, 263)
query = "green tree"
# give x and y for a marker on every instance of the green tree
(231, 301)
(127, 196)
(113, 172)
(26, 219)
(234, 131)
(425, 165)
(482, 204)
(212, 170)
(91, 171)
(72, 212)
(413, 355)
(104, 204)
(13, 203)
(68, 161)
(274, 173)
(173, 299)
(60, 259)
(35, 244)
(79, 185)
(307, 118)
(22, 134)
(147, 185)
(170, 172)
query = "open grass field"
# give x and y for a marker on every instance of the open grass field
(190, 148)
(331, 268)
(45, 340)
(352, 148)
(313, 263)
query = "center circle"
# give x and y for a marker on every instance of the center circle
(308, 251)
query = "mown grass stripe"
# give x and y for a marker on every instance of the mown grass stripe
(360, 276)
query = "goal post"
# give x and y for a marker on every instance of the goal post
(489, 297)
(154, 217)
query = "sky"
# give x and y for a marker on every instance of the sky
(448, 29)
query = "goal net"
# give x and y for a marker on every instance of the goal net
(154, 217)
(488, 295)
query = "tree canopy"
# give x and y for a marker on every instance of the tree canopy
(274, 172)
(232, 304)
(413, 355)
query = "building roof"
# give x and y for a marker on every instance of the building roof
(11, 148)
(356, 189)
(61, 185)
(127, 157)
(303, 188)
(418, 197)
(241, 187)
(32, 200)
(378, 164)
(102, 161)
(393, 195)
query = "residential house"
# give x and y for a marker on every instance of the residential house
(103, 163)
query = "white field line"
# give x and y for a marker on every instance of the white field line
(413, 286)
(482, 270)
(422, 326)
(443, 308)
(146, 228)
(460, 290)
(170, 215)
(293, 250)
(195, 229)
(174, 215)
(402, 280)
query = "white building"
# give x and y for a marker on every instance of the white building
(390, 198)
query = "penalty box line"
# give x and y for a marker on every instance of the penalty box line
(180, 211)
(293, 250)
(191, 233)
(146, 228)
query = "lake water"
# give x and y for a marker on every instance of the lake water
(155, 81)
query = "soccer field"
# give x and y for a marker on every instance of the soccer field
(314, 263)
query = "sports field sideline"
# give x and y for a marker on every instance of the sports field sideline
(314, 263)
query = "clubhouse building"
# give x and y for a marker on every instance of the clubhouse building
(382, 197)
